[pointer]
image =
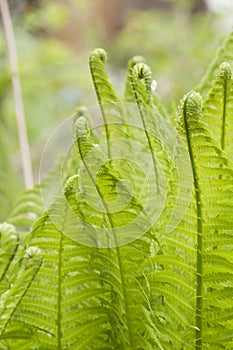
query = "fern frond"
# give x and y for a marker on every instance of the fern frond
(32, 203)
(166, 149)
(207, 218)
(218, 108)
(27, 208)
(70, 311)
(95, 292)
(129, 96)
(105, 184)
(104, 89)
(224, 54)
(9, 244)
(86, 298)
(110, 105)
(22, 275)
(209, 165)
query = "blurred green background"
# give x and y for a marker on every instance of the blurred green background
(54, 39)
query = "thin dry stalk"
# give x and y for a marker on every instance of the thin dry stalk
(17, 92)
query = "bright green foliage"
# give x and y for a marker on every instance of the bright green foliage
(18, 269)
(136, 252)
(218, 108)
(212, 174)
(224, 54)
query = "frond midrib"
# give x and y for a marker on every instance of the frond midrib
(121, 270)
(198, 199)
(224, 112)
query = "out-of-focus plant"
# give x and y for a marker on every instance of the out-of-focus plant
(53, 83)
(178, 45)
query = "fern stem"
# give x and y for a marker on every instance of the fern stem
(121, 270)
(99, 56)
(126, 300)
(150, 147)
(17, 92)
(223, 129)
(59, 294)
(119, 260)
(143, 69)
(199, 251)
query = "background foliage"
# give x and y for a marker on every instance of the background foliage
(54, 39)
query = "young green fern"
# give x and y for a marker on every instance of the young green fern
(212, 174)
(131, 263)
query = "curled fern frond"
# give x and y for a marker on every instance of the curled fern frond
(128, 93)
(110, 105)
(104, 89)
(142, 72)
(81, 128)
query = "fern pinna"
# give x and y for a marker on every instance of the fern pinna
(135, 252)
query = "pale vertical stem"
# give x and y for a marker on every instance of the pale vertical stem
(17, 92)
